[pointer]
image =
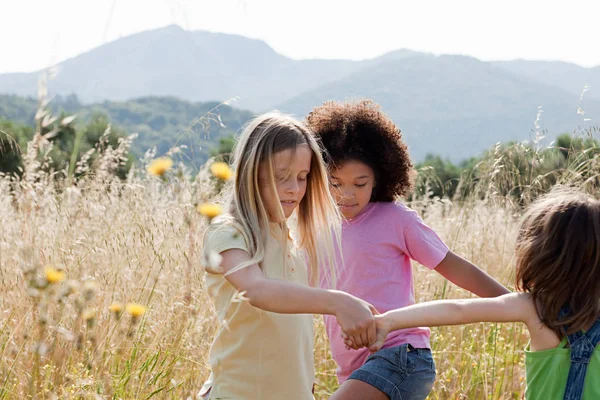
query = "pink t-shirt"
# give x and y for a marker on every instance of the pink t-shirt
(377, 247)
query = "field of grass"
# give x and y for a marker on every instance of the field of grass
(102, 291)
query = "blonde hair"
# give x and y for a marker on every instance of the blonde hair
(319, 220)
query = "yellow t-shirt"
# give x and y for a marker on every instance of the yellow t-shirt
(258, 354)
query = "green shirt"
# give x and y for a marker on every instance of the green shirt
(547, 373)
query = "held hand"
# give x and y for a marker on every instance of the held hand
(382, 332)
(355, 317)
(381, 336)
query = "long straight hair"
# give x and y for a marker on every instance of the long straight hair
(319, 220)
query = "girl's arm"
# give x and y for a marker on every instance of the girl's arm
(513, 307)
(354, 315)
(466, 275)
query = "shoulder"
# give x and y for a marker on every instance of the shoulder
(222, 230)
(542, 337)
(221, 235)
(397, 213)
(225, 222)
(393, 208)
(522, 301)
(523, 304)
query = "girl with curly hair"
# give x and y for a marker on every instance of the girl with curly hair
(369, 167)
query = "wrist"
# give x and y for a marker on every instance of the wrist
(338, 301)
(385, 322)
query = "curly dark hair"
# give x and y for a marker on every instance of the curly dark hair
(361, 131)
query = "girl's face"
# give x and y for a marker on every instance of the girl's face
(291, 169)
(352, 186)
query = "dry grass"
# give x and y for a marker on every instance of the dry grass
(138, 241)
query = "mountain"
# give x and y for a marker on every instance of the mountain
(569, 77)
(196, 66)
(454, 106)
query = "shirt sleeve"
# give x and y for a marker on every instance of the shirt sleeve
(217, 239)
(422, 243)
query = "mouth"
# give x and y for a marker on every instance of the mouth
(289, 203)
(344, 207)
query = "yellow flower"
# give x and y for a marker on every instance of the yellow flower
(221, 170)
(116, 307)
(53, 275)
(209, 210)
(160, 166)
(135, 310)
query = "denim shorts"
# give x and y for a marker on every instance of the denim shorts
(401, 372)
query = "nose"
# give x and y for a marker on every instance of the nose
(347, 194)
(293, 187)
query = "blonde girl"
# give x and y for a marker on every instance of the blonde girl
(260, 290)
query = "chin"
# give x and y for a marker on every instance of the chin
(356, 211)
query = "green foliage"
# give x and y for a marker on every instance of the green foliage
(440, 176)
(161, 122)
(516, 170)
(224, 149)
(19, 109)
(13, 138)
(61, 134)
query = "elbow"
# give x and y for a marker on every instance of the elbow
(252, 294)
(456, 307)
(459, 310)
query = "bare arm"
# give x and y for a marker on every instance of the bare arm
(513, 307)
(506, 308)
(354, 315)
(466, 275)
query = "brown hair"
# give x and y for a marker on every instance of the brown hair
(558, 258)
(361, 131)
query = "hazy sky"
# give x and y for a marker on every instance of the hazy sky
(38, 33)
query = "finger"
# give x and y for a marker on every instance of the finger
(379, 342)
(364, 338)
(373, 310)
(357, 341)
(349, 342)
(375, 347)
(371, 334)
